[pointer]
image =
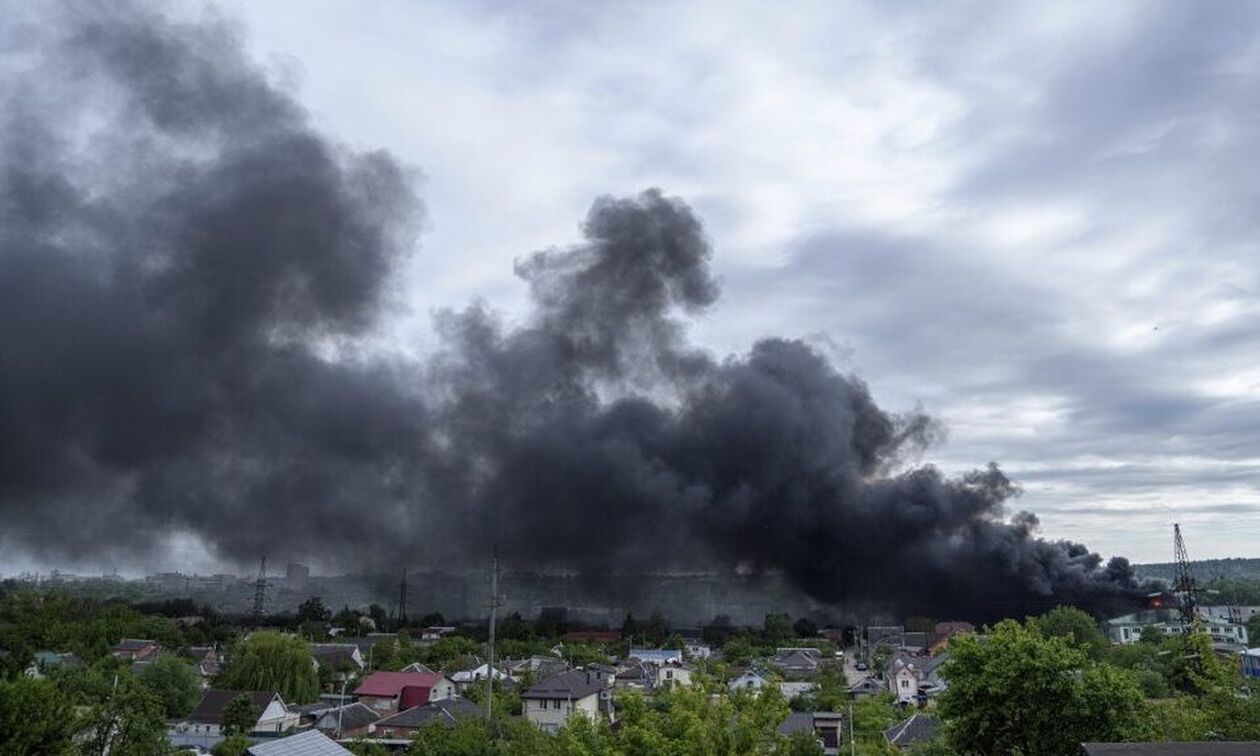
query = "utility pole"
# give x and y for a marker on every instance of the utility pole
(341, 706)
(852, 736)
(260, 593)
(494, 606)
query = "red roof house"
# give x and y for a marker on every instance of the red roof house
(396, 691)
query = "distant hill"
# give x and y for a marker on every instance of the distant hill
(1204, 569)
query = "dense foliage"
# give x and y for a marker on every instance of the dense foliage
(268, 660)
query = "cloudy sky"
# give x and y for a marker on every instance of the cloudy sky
(1037, 222)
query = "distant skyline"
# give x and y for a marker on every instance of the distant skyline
(1037, 224)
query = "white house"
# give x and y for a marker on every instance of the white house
(697, 650)
(792, 690)
(464, 678)
(913, 677)
(274, 716)
(551, 703)
(750, 680)
(656, 655)
(673, 674)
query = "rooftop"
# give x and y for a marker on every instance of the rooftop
(574, 684)
(309, 743)
(390, 684)
(446, 710)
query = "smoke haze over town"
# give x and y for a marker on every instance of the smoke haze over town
(225, 332)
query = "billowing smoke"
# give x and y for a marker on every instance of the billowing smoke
(191, 281)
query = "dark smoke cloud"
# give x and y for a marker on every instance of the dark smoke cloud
(189, 279)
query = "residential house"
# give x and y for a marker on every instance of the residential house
(825, 726)
(353, 720)
(797, 689)
(310, 743)
(656, 655)
(749, 680)
(914, 678)
(309, 714)
(1251, 663)
(467, 677)
(674, 673)
(395, 691)
(435, 633)
(915, 642)
(208, 661)
(797, 662)
(340, 660)
(866, 687)
(912, 731)
(633, 674)
(418, 667)
(404, 724)
(538, 667)
(697, 650)
(550, 703)
(47, 661)
(1128, 628)
(886, 635)
(273, 715)
(946, 630)
(135, 649)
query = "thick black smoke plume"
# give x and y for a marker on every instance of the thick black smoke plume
(190, 277)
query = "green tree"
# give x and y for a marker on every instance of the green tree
(805, 628)
(175, 683)
(777, 629)
(35, 719)
(240, 715)
(1151, 636)
(271, 661)
(236, 745)
(656, 629)
(129, 722)
(313, 610)
(1021, 692)
(629, 628)
(1077, 626)
(801, 744)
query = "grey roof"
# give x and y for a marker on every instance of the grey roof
(352, 716)
(796, 659)
(446, 710)
(866, 685)
(574, 684)
(309, 743)
(914, 729)
(798, 721)
(335, 656)
(1221, 748)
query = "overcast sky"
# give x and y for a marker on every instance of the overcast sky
(1037, 222)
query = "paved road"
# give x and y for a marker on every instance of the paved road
(852, 673)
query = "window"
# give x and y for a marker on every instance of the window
(669, 674)
(905, 683)
(555, 704)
